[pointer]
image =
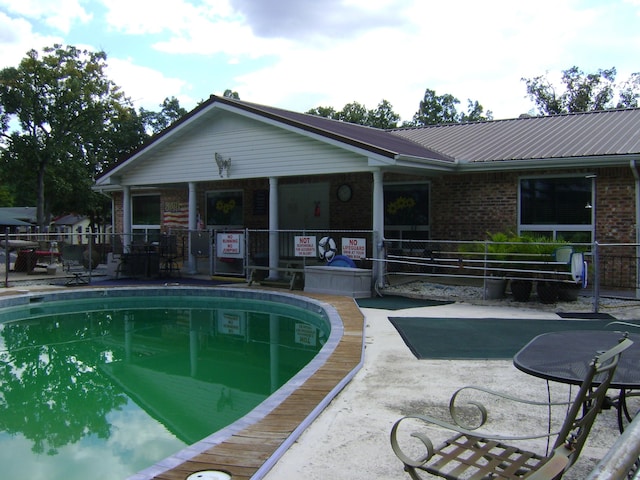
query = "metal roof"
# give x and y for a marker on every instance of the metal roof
(575, 137)
(379, 141)
(589, 134)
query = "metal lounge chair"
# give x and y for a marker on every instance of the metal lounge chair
(75, 265)
(476, 455)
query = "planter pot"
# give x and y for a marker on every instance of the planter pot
(547, 292)
(521, 290)
(494, 288)
(569, 292)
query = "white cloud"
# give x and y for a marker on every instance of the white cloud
(472, 50)
(145, 86)
(360, 50)
(17, 38)
(60, 14)
(155, 16)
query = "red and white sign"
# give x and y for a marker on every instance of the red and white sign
(355, 248)
(305, 246)
(230, 245)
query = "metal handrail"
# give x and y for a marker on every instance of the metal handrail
(621, 459)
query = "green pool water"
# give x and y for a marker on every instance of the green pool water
(105, 387)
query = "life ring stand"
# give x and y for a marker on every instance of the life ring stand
(327, 249)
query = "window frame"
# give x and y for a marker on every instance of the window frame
(148, 231)
(207, 215)
(555, 230)
(408, 231)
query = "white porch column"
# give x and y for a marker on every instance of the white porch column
(193, 219)
(378, 226)
(274, 249)
(126, 217)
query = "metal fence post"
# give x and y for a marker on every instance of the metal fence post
(596, 278)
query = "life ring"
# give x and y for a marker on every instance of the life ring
(327, 249)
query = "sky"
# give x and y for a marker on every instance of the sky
(301, 54)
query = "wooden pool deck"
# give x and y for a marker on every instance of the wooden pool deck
(244, 453)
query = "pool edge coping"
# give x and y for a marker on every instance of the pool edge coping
(165, 467)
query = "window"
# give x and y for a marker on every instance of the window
(556, 207)
(225, 208)
(406, 211)
(145, 215)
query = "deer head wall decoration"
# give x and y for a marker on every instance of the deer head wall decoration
(223, 165)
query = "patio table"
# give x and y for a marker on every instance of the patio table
(564, 357)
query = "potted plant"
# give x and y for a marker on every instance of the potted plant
(497, 250)
(568, 292)
(521, 289)
(547, 291)
(491, 253)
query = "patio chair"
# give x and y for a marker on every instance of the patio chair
(476, 455)
(169, 255)
(74, 265)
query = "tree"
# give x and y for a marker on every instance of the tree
(354, 112)
(583, 92)
(66, 123)
(327, 112)
(382, 116)
(170, 111)
(437, 109)
(475, 113)
(228, 93)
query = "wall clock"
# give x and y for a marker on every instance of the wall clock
(344, 192)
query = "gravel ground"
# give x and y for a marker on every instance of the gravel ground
(621, 307)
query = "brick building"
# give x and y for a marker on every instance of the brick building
(234, 164)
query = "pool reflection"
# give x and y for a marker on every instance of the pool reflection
(73, 378)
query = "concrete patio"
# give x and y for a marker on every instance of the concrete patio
(350, 439)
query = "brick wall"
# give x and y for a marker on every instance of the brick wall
(463, 207)
(466, 207)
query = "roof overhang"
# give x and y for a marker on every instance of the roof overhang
(546, 163)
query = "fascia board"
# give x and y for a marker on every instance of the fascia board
(425, 163)
(157, 143)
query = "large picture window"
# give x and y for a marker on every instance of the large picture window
(556, 207)
(406, 211)
(225, 208)
(145, 217)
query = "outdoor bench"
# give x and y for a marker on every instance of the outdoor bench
(257, 273)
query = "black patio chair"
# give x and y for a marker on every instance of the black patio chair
(168, 256)
(476, 455)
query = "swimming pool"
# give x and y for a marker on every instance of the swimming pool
(132, 354)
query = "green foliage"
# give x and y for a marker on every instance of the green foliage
(583, 92)
(509, 246)
(69, 123)
(438, 109)
(382, 116)
(170, 111)
(6, 197)
(228, 93)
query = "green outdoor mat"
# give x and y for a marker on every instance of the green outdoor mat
(480, 338)
(394, 302)
(587, 315)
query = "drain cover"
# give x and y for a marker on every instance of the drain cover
(209, 475)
